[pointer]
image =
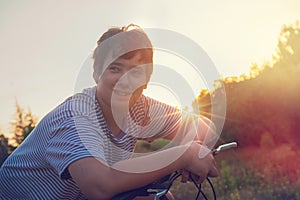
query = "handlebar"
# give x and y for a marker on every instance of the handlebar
(158, 188)
(224, 147)
(161, 187)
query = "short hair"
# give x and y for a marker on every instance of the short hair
(128, 34)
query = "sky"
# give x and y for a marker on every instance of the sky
(44, 44)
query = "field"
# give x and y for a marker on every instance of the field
(248, 173)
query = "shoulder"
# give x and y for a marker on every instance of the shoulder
(155, 109)
(83, 103)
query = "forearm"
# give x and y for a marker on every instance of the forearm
(102, 182)
(143, 170)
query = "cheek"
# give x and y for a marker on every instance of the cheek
(108, 80)
(139, 81)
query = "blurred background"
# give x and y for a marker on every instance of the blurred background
(255, 46)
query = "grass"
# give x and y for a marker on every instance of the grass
(240, 178)
(238, 182)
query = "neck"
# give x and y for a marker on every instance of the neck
(110, 118)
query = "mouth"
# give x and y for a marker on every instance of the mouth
(122, 93)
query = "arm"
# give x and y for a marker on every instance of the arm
(99, 181)
(177, 125)
(195, 128)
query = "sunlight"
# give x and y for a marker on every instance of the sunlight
(174, 81)
(163, 94)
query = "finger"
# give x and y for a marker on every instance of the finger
(199, 142)
(184, 176)
(194, 178)
(213, 172)
(201, 179)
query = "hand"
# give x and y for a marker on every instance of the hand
(187, 176)
(201, 167)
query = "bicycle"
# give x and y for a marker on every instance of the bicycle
(160, 188)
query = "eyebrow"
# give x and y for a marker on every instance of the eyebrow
(116, 63)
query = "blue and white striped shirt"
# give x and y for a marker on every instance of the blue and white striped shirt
(38, 168)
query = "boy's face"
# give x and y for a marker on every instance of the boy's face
(123, 81)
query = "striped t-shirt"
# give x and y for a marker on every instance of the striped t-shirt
(38, 168)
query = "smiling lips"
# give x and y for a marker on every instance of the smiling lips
(122, 92)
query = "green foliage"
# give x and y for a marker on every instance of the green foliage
(288, 48)
(144, 147)
(238, 181)
(265, 102)
(263, 116)
(23, 124)
(158, 144)
(5, 148)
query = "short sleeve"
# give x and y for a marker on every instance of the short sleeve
(165, 116)
(75, 138)
(162, 119)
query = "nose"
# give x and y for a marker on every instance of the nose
(124, 79)
(131, 80)
(125, 82)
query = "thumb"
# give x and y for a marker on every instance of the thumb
(203, 151)
(213, 172)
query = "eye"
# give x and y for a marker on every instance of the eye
(114, 69)
(137, 72)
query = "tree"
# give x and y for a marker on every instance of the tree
(202, 104)
(22, 126)
(5, 148)
(288, 47)
(268, 100)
